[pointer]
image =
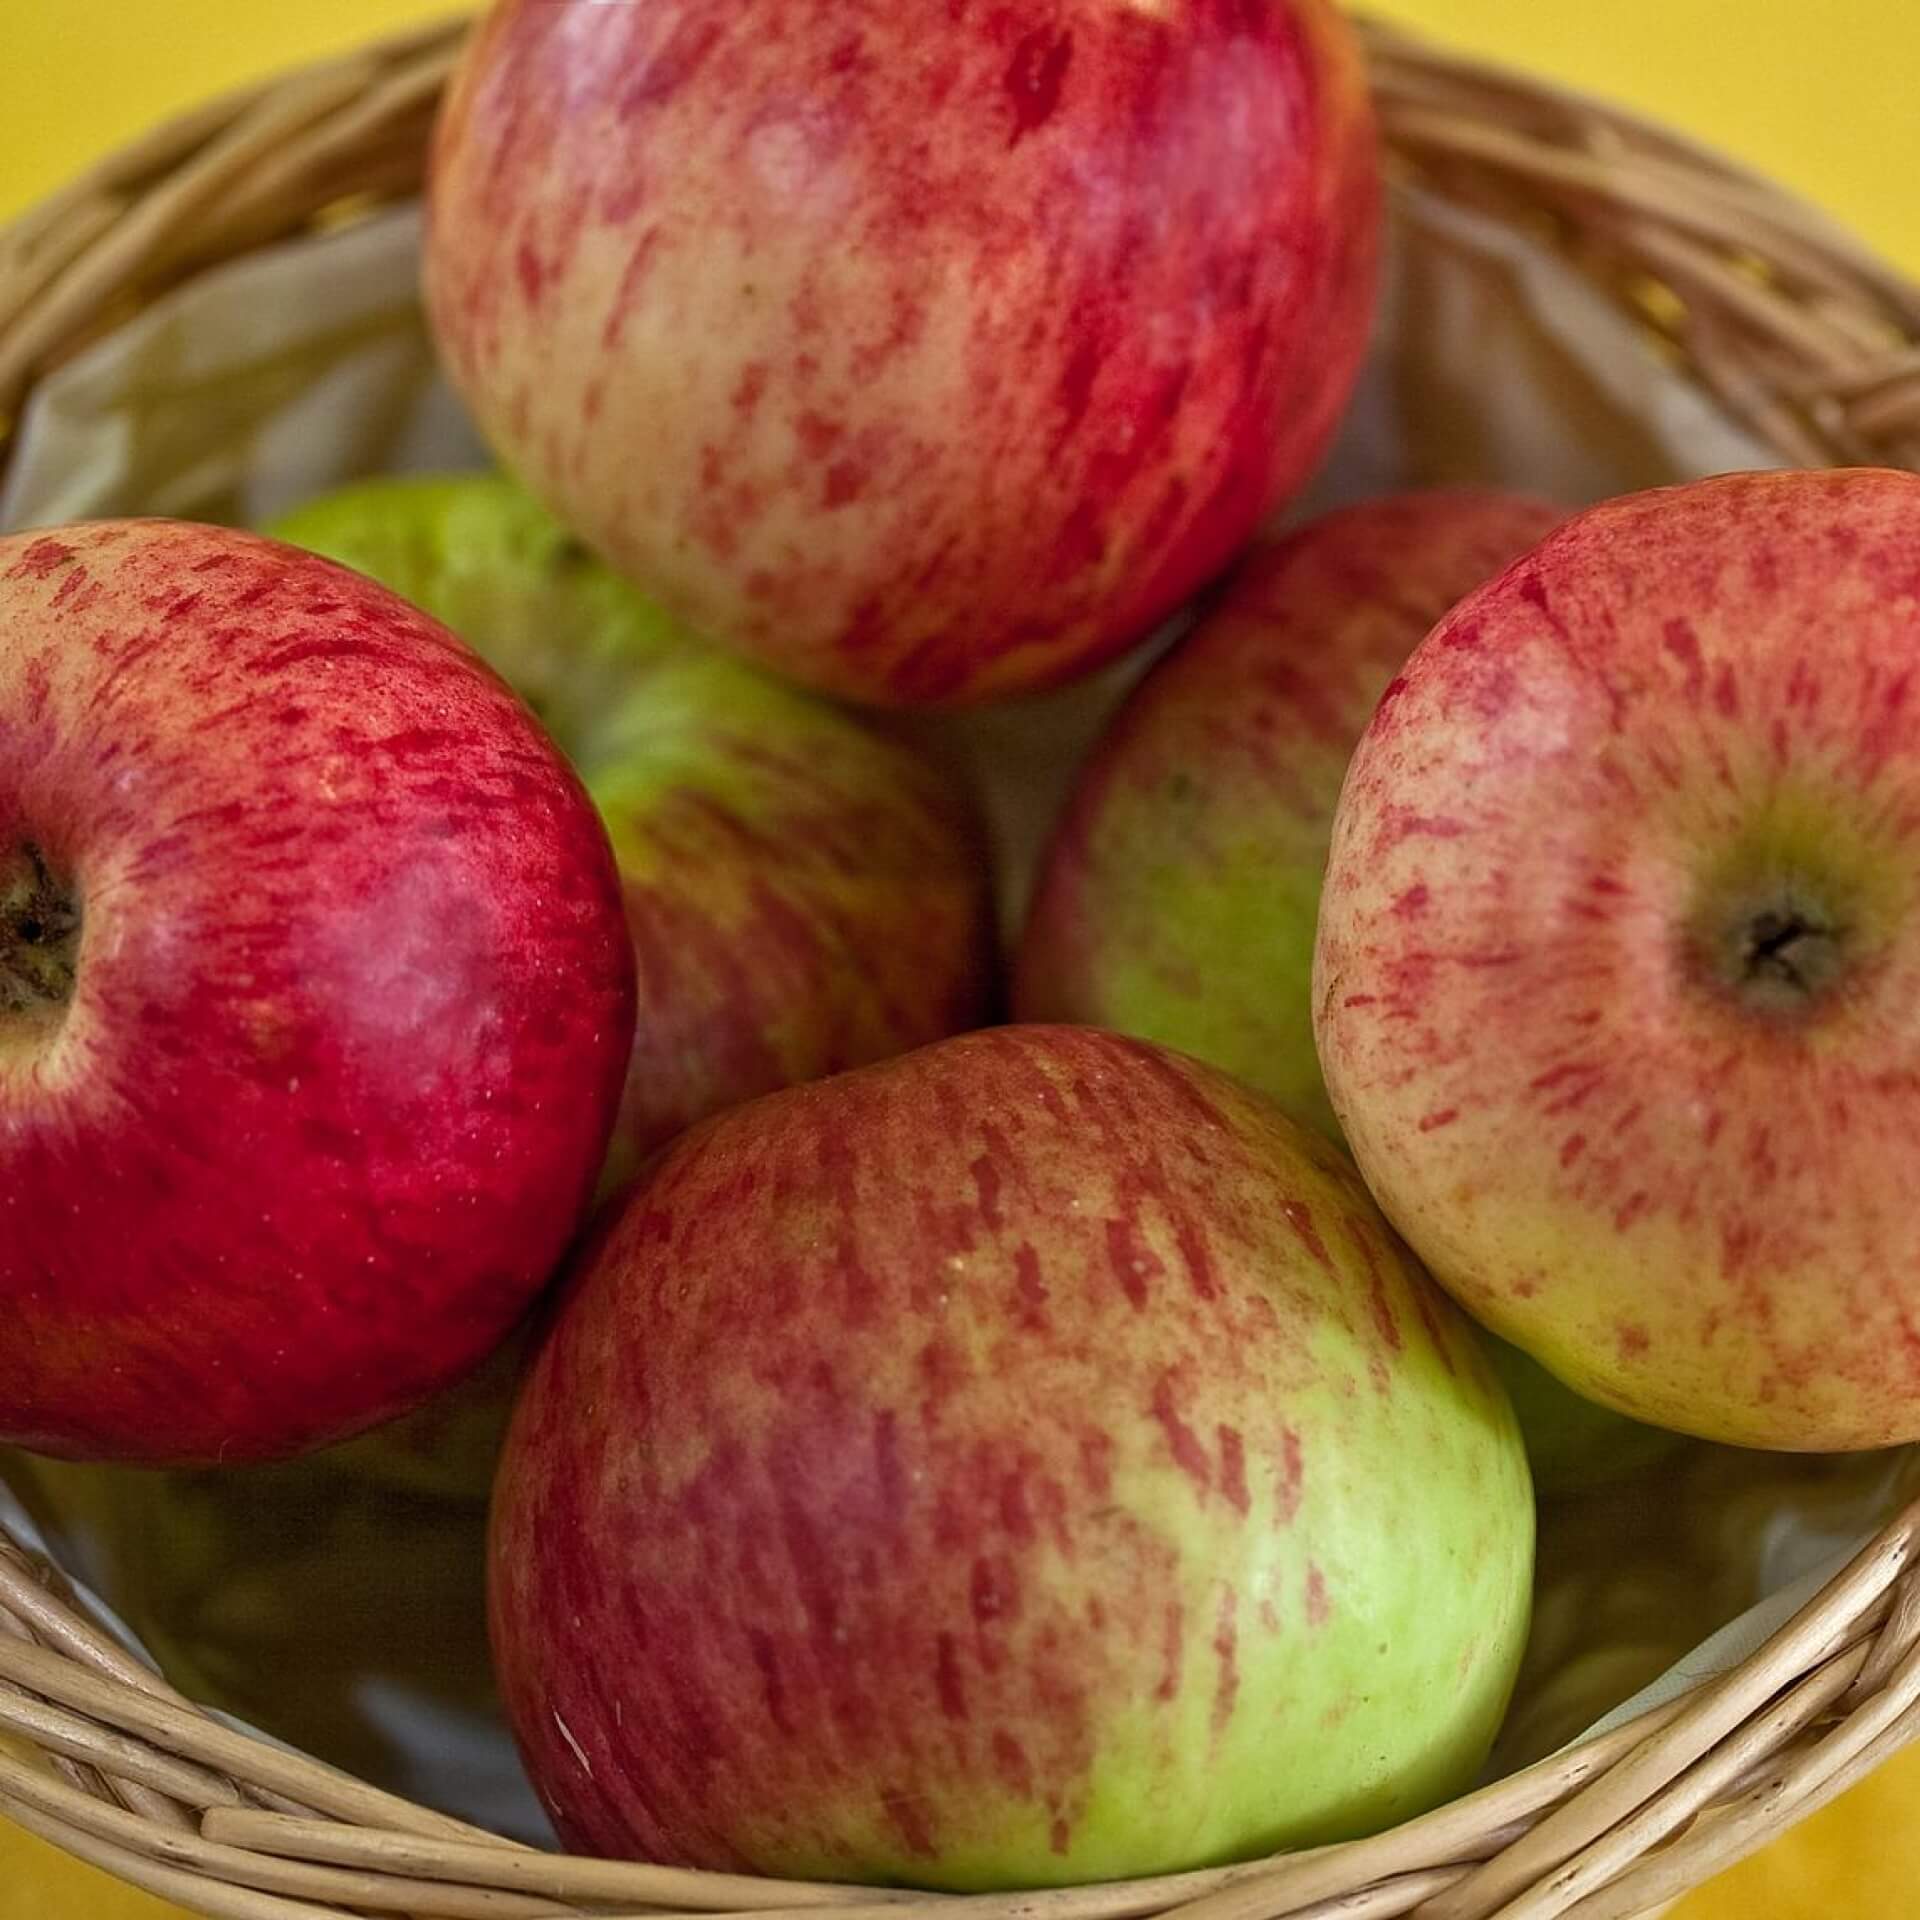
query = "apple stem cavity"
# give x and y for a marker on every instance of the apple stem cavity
(39, 934)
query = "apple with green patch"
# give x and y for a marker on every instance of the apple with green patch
(1620, 955)
(1032, 1460)
(803, 894)
(1181, 888)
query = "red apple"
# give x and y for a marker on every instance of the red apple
(1180, 892)
(1029, 1460)
(804, 894)
(315, 998)
(1620, 955)
(925, 351)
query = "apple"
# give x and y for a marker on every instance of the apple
(314, 998)
(1620, 950)
(803, 895)
(1030, 1460)
(1178, 896)
(1573, 1444)
(925, 352)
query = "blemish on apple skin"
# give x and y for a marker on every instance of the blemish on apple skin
(1434, 1122)
(1634, 1340)
(1412, 902)
(1059, 1835)
(1572, 1148)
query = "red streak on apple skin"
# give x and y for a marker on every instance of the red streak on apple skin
(1081, 288)
(1319, 1608)
(42, 557)
(962, 1585)
(1695, 1212)
(351, 1009)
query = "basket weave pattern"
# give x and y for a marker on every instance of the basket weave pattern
(1803, 337)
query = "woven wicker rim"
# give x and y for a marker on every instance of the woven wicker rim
(1803, 337)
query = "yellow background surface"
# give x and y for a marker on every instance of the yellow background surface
(1817, 92)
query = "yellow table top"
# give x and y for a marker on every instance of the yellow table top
(1815, 92)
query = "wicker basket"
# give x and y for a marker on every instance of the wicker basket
(1801, 336)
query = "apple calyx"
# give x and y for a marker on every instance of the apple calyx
(39, 934)
(1780, 952)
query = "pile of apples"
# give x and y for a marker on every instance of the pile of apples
(957, 1449)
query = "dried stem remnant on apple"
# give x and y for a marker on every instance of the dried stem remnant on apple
(1781, 953)
(39, 933)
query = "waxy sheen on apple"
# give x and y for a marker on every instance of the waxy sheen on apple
(315, 998)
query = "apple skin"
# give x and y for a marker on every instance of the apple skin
(1619, 957)
(1031, 1460)
(1179, 893)
(963, 342)
(804, 895)
(1573, 1444)
(305, 1123)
